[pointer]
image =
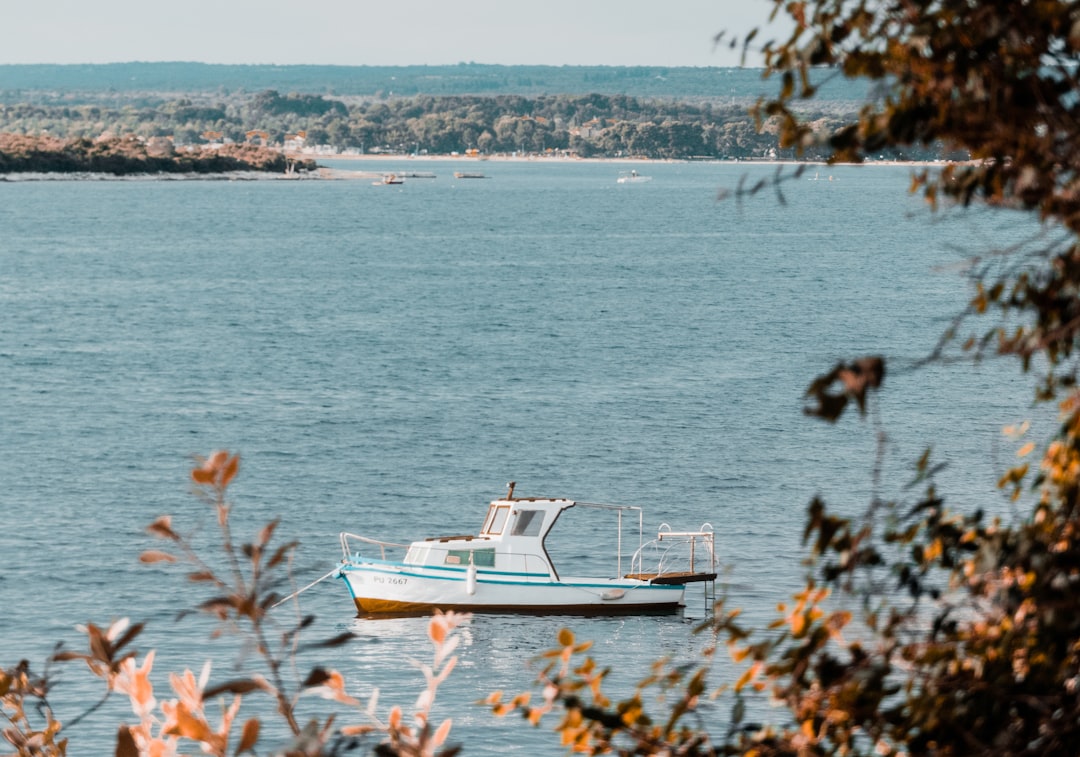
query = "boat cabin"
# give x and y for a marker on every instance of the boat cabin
(511, 539)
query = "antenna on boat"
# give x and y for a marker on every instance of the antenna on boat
(510, 494)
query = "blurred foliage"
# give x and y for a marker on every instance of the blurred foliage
(242, 581)
(919, 631)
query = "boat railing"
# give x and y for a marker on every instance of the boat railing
(703, 536)
(620, 509)
(672, 552)
(347, 551)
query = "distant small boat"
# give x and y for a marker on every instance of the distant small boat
(389, 179)
(632, 177)
(467, 175)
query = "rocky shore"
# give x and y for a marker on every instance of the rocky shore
(127, 156)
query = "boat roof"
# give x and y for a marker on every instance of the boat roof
(562, 501)
(515, 507)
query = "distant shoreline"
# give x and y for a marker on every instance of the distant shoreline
(131, 156)
(400, 163)
(16, 177)
(628, 161)
(322, 172)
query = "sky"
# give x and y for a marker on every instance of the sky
(391, 32)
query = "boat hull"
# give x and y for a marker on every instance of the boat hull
(384, 587)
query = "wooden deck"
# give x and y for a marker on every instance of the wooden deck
(673, 578)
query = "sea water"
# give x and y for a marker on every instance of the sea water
(386, 358)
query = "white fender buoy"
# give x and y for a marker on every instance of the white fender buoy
(470, 580)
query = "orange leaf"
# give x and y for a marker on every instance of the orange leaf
(249, 736)
(437, 629)
(153, 555)
(125, 743)
(442, 733)
(189, 726)
(230, 470)
(356, 730)
(266, 532)
(162, 527)
(750, 674)
(202, 476)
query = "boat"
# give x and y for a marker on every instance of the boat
(506, 567)
(389, 178)
(468, 175)
(632, 177)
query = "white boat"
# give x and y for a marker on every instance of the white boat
(632, 177)
(506, 567)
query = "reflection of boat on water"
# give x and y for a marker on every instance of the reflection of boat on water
(389, 178)
(507, 568)
(632, 177)
(468, 175)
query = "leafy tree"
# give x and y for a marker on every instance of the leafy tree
(919, 631)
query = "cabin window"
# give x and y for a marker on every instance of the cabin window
(496, 519)
(481, 558)
(528, 522)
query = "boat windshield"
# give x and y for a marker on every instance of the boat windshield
(496, 520)
(528, 523)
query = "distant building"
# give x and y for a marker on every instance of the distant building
(591, 128)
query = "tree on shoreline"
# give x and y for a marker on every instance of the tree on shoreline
(601, 125)
(127, 155)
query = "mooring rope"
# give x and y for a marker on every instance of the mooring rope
(334, 572)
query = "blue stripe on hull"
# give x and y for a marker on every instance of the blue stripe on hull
(487, 577)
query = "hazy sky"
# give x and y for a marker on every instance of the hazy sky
(392, 32)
